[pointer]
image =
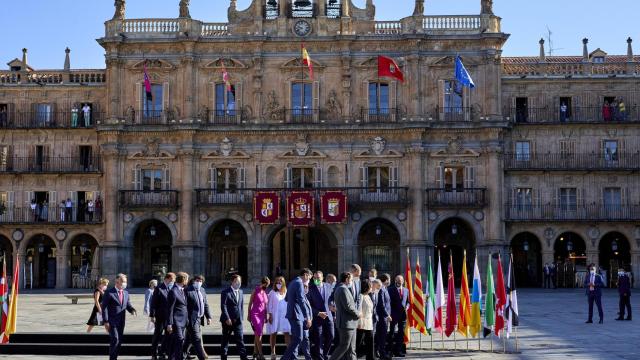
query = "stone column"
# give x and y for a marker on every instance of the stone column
(189, 83)
(185, 247)
(593, 257)
(635, 267)
(63, 273)
(322, 12)
(115, 254)
(547, 257)
(415, 223)
(113, 108)
(495, 228)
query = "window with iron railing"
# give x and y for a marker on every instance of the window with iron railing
(568, 199)
(523, 150)
(153, 107)
(378, 98)
(610, 150)
(225, 100)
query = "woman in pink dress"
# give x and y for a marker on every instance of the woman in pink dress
(258, 315)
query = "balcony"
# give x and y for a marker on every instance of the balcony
(143, 199)
(302, 116)
(225, 117)
(456, 113)
(49, 120)
(53, 165)
(50, 214)
(583, 162)
(378, 197)
(463, 198)
(576, 114)
(593, 212)
(379, 115)
(229, 197)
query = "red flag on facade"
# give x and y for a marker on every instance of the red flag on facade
(387, 67)
(301, 208)
(266, 207)
(147, 83)
(501, 298)
(226, 78)
(452, 317)
(4, 299)
(333, 206)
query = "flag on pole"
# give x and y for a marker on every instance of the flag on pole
(431, 301)
(407, 276)
(3, 299)
(464, 319)
(452, 318)
(439, 299)
(476, 301)
(13, 306)
(387, 67)
(306, 60)
(147, 83)
(462, 75)
(489, 310)
(417, 309)
(511, 311)
(226, 79)
(501, 298)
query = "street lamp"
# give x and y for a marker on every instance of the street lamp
(378, 230)
(152, 231)
(454, 229)
(525, 245)
(227, 231)
(614, 245)
(41, 248)
(569, 245)
(83, 249)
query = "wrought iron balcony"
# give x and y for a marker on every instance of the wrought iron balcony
(587, 162)
(379, 115)
(141, 199)
(383, 197)
(49, 120)
(50, 214)
(52, 164)
(227, 197)
(570, 212)
(225, 117)
(575, 114)
(302, 116)
(456, 113)
(462, 198)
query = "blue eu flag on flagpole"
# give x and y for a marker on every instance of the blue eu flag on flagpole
(462, 75)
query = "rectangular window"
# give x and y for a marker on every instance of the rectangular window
(225, 100)
(302, 178)
(612, 198)
(378, 179)
(226, 180)
(44, 114)
(522, 109)
(302, 98)
(567, 149)
(4, 157)
(523, 198)
(151, 180)
(453, 179)
(378, 98)
(610, 150)
(523, 151)
(568, 199)
(453, 97)
(152, 108)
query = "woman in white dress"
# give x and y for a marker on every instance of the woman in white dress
(277, 323)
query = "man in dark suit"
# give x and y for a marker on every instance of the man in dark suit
(197, 311)
(383, 310)
(624, 290)
(347, 319)
(158, 314)
(114, 304)
(356, 285)
(322, 325)
(376, 285)
(547, 276)
(399, 300)
(177, 318)
(231, 304)
(298, 315)
(593, 284)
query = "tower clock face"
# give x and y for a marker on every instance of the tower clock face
(302, 28)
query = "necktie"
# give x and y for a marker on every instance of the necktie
(400, 290)
(121, 296)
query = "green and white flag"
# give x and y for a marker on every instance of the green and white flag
(489, 303)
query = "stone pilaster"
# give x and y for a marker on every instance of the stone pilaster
(63, 274)
(494, 217)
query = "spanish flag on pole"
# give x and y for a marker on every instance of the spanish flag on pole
(418, 302)
(407, 275)
(306, 60)
(464, 320)
(13, 306)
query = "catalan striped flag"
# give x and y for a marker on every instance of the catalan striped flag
(417, 310)
(464, 319)
(306, 60)
(475, 324)
(407, 276)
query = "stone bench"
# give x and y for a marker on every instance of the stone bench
(74, 298)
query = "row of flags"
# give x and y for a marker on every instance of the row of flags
(8, 303)
(426, 311)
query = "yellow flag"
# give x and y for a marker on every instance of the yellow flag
(12, 314)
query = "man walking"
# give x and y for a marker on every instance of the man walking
(158, 314)
(114, 304)
(322, 327)
(356, 285)
(231, 303)
(624, 290)
(547, 276)
(383, 310)
(298, 315)
(593, 284)
(197, 309)
(347, 319)
(399, 299)
(178, 317)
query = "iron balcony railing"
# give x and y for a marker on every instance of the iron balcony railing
(49, 119)
(361, 197)
(574, 114)
(50, 214)
(457, 198)
(74, 165)
(136, 199)
(568, 161)
(301, 116)
(455, 113)
(379, 115)
(225, 117)
(572, 212)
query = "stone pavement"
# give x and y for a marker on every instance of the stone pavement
(552, 327)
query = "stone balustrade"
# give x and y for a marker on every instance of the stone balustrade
(43, 77)
(388, 27)
(214, 29)
(150, 26)
(452, 22)
(550, 67)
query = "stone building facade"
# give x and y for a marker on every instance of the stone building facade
(99, 178)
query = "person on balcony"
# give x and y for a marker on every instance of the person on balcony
(622, 110)
(3, 117)
(98, 206)
(34, 210)
(563, 112)
(91, 208)
(606, 111)
(614, 110)
(63, 211)
(74, 116)
(86, 114)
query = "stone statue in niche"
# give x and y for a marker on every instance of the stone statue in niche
(333, 105)
(130, 114)
(226, 146)
(152, 148)
(120, 6)
(184, 9)
(377, 145)
(487, 7)
(203, 114)
(272, 108)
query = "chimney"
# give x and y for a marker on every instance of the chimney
(542, 57)
(67, 59)
(629, 50)
(24, 59)
(585, 50)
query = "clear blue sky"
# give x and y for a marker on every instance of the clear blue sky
(46, 27)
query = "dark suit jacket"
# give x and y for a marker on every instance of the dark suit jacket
(315, 299)
(297, 301)
(374, 302)
(193, 304)
(346, 314)
(624, 285)
(230, 307)
(384, 304)
(177, 308)
(160, 303)
(398, 305)
(598, 284)
(113, 312)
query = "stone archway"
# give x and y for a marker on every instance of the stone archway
(452, 238)
(570, 258)
(379, 245)
(227, 252)
(614, 253)
(40, 262)
(83, 258)
(527, 259)
(152, 243)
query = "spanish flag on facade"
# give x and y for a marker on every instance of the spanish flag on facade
(306, 60)
(13, 306)
(417, 310)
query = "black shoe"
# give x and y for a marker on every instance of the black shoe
(601, 321)
(628, 319)
(619, 318)
(588, 322)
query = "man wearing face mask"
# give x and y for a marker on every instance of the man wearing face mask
(322, 326)
(197, 311)
(383, 310)
(347, 319)
(624, 290)
(399, 300)
(232, 304)
(593, 284)
(158, 313)
(298, 315)
(356, 271)
(115, 303)
(177, 318)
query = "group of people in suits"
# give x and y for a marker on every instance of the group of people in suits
(594, 283)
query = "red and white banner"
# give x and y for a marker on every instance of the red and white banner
(300, 208)
(333, 207)
(266, 207)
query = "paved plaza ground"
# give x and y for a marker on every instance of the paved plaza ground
(552, 326)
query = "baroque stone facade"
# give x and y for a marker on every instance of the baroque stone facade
(530, 159)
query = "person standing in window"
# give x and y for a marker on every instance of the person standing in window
(606, 111)
(563, 112)
(91, 208)
(622, 110)
(74, 116)
(86, 114)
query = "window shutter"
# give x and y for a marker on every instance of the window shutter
(53, 199)
(317, 179)
(242, 178)
(239, 102)
(556, 200)
(139, 106)
(10, 205)
(73, 195)
(579, 197)
(393, 100)
(166, 100)
(28, 196)
(469, 177)
(514, 196)
(393, 179)
(621, 149)
(365, 107)
(96, 194)
(316, 101)
(624, 195)
(364, 180)
(213, 177)
(287, 177)
(439, 182)
(166, 178)
(136, 179)
(45, 157)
